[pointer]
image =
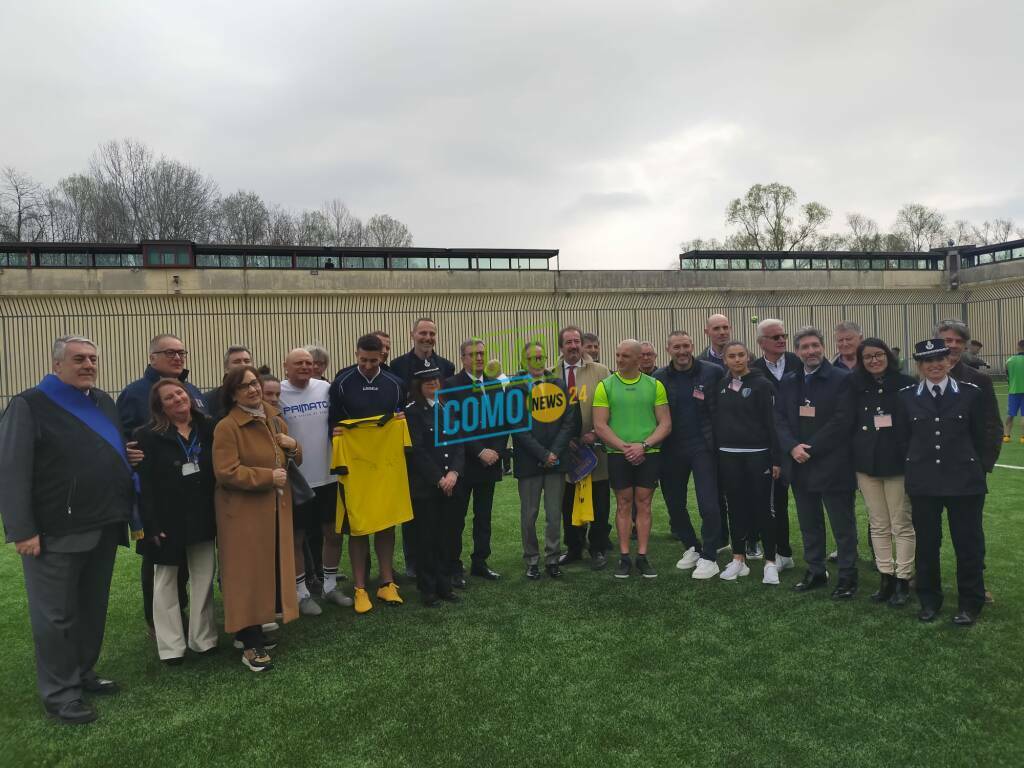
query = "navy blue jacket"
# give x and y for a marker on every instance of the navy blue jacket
(830, 468)
(133, 402)
(707, 377)
(793, 363)
(946, 440)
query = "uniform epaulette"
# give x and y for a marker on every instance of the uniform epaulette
(909, 386)
(968, 383)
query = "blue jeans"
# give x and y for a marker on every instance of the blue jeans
(677, 464)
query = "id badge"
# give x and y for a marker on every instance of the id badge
(698, 394)
(189, 468)
(807, 411)
(883, 420)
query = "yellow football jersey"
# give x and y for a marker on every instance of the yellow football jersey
(369, 459)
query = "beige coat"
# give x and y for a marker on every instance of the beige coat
(588, 374)
(251, 518)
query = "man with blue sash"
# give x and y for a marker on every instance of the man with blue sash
(67, 494)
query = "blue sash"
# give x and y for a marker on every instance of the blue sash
(78, 404)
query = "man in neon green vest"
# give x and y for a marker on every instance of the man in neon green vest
(631, 416)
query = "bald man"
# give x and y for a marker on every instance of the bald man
(304, 405)
(718, 329)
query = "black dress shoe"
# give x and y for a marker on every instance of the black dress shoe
(811, 581)
(533, 572)
(927, 614)
(99, 686)
(845, 590)
(485, 573)
(459, 582)
(177, 661)
(431, 600)
(73, 712)
(901, 594)
(569, 557)
(553, 571)
(451, 597)
(964, 619)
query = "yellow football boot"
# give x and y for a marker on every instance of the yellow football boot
(389, 594)
(1006, 439)
(362, 601)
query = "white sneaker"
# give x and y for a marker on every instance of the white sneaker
(309, 607)
(784, 563)
(270, 627)
(771, 574)
(705, 569)
(690, 558)
(338, 597)
(734, 569)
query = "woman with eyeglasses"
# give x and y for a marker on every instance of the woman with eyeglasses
(251, 450)
(176, 502)
(879, 454)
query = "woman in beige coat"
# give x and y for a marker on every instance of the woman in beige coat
(251, 448)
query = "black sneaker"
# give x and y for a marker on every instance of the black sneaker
(533, 572)
(623, 568)
(645, 567)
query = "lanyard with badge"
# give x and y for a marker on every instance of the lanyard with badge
(882, 420)
(191, 465)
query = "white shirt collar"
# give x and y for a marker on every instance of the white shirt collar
(926, 386)
(778, 368)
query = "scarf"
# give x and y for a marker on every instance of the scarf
(83, 408)
(258, 412)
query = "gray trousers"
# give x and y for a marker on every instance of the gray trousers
(67, 607)
(552, 485)
(812, 527)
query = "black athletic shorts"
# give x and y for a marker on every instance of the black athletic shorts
(318, 510)
(622, 474)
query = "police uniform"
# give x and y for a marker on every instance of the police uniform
(435, 526)
(945, 425)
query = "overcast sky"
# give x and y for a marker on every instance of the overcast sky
(610, 130)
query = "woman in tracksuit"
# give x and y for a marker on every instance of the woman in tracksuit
(748, 459)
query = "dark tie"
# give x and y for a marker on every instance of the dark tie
(937, 391)
(570, 378)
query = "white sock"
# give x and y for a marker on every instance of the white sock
(300, 587)
(330, 579)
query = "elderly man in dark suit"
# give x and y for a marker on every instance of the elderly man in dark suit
(68, 492)
(775, 362)
(813, 421)
(483, 464)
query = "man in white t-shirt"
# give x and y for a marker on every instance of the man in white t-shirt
(304, 406)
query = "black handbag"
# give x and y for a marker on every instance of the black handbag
(301, 492)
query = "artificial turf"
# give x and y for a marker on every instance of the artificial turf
(584, 671)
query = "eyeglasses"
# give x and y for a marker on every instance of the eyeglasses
(778, 337)
(170, 354)
(254, 384)
(874, 357)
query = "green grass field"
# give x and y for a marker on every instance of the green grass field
(586, 671)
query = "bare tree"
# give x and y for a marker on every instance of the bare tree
(961, 232)
(313, 228)
(386, 232)
(864, 234)
(244, 219)
(700, 244)
(920, 226)
(991, 232)
(347, 230)
(765, 216)
(23, 205)
(182, 204)
(281, 227)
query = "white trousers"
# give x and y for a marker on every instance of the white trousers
(202, 630)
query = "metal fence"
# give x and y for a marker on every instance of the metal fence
(272, 324)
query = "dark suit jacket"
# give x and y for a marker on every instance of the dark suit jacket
(946, 440)
(428, 462)
(793, 363)
(830, 468)
(476, 470)
(532, 447)
(993, 421)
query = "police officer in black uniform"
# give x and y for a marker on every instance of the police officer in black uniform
(945, 421)
(434, 472)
